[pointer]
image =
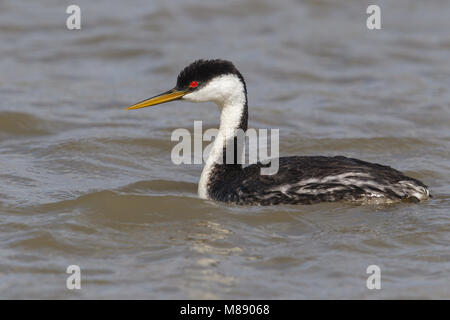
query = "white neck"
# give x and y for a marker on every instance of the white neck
(229, 94)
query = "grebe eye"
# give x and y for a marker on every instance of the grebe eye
(193, 84)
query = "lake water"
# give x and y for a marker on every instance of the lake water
(84, 182)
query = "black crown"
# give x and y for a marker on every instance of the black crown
(204, 70)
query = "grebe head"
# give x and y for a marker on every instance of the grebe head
(204, 80)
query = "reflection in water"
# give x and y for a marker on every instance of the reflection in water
(210, 242)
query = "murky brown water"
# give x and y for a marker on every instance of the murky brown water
(82, 181)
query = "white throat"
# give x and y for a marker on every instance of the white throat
(228, 93)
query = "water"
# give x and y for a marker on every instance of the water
(84, 182)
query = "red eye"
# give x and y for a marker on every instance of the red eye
(193, 84)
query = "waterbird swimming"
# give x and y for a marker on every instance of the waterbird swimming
(300, 179)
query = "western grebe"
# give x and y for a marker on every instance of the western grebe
(300, 180)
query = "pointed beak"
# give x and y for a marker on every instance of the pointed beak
(167, 96)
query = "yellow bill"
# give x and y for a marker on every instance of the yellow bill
(161, 98)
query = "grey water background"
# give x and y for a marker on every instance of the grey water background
(84, 182)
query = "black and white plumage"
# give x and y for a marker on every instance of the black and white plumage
(299, 180)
